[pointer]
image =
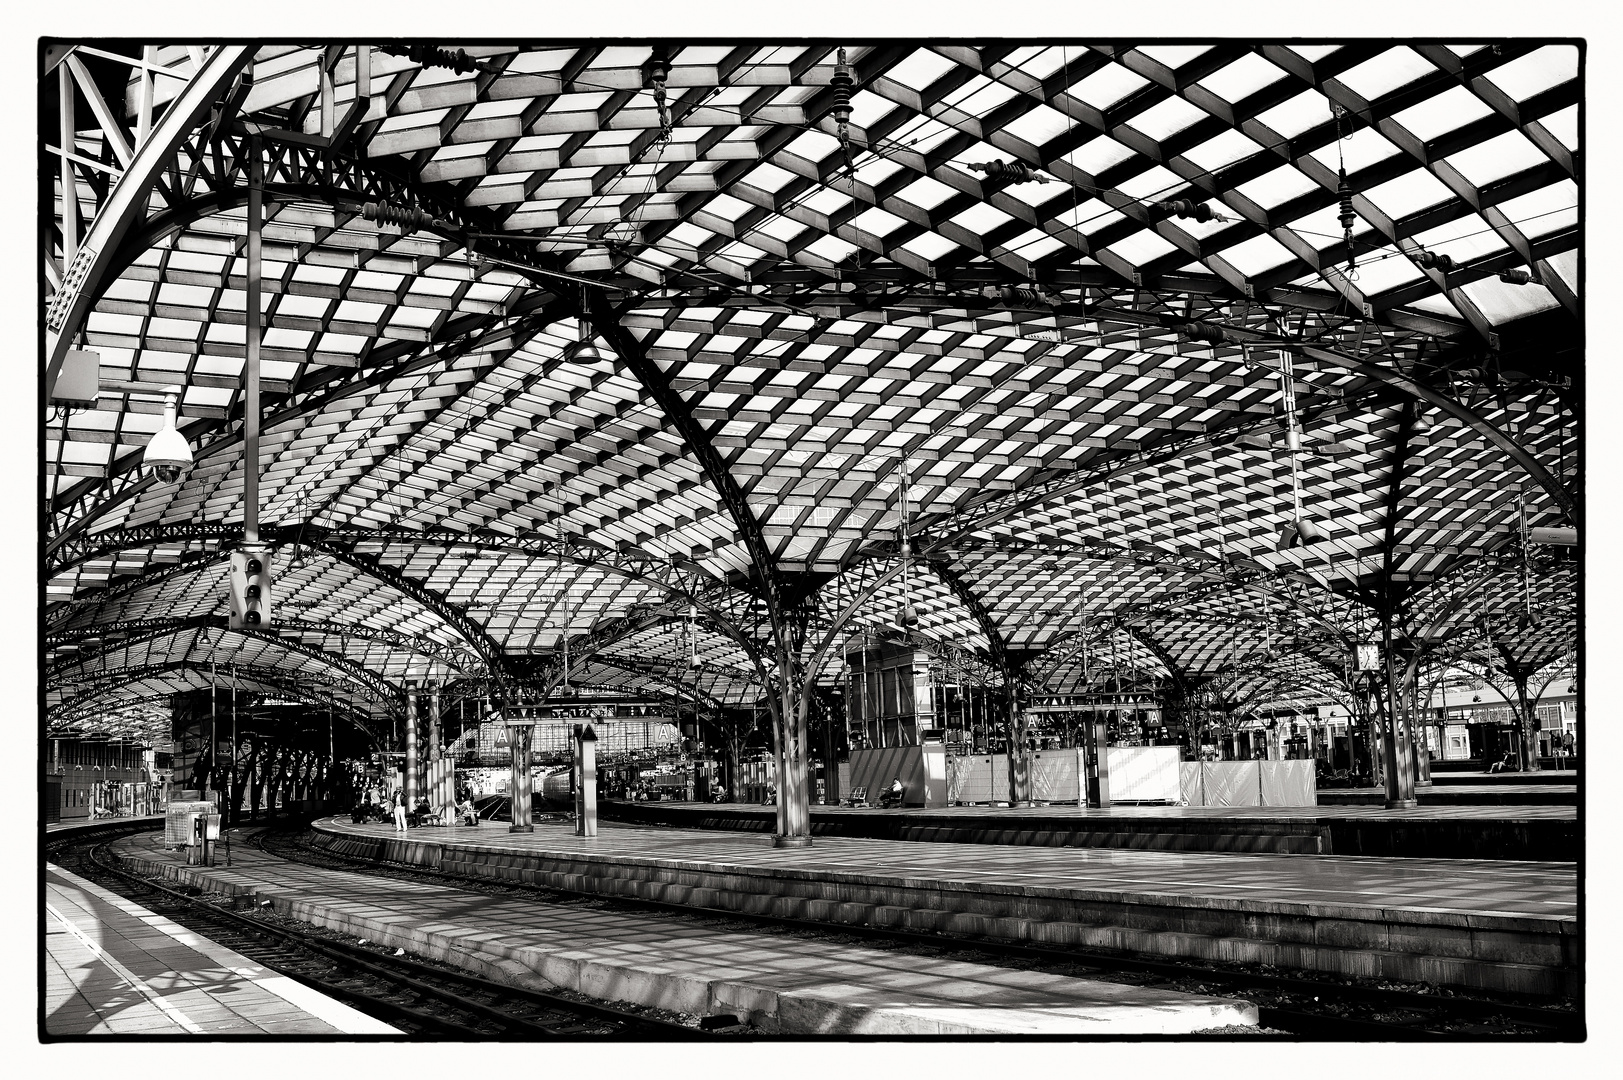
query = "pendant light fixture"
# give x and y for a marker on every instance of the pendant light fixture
(585, 350)
(909, 615)
(1301, 531)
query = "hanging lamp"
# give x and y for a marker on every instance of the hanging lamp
(585, 350)
(1300, 531)
(909, 615)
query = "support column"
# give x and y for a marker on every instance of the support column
(586, 788)
(1096, 762)
(436, 786)
(411, 748)
(831, 764)
(793, 758)
(518, 745)
(1526, 712)
(1399, 779)
(1019, 753)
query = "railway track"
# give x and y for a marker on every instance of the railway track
(1300, 1005)
(423, 1000)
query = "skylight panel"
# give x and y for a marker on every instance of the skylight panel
(1107, 86)
(1153, 183)
(1257, 255)
(1274, 188)
(868, 107)
(876, 170)
(831, 248)
(1502, 302)
(1499, 157)
(1380, 75)
(1032, 245)
(1384, 270)
(1545, 210)
(1141, 247)
(1166, 118)
(877, 221)
(929, 246)
(727, 207)
(981, 218)
(1408, 194)
(1321, 228)
(1039, 62)
(1448, 111)
(1536, 72)
(1462, 239)
(1242, 78)
(1222, 150)
(926, 193)
(1097, 155)
(920, 69)
(1039, 125)
(780, 228)
(1564, 126)
(1174, 57)
(1295, 115)
(813, 145)
(1365, 147)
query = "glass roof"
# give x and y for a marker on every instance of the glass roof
(992, 281)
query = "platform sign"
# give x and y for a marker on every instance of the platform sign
(1369, 657)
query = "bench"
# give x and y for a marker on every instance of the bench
(858, 797)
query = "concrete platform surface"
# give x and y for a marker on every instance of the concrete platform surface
(1473, 923)
(114, 968)
(786, 985)
(1520, 796)
(1264, 882)
(1517, 832)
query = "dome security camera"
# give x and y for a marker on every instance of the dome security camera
(167, 455)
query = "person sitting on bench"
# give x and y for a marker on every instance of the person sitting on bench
(466, 814)
(892, 796)
(1507, 764)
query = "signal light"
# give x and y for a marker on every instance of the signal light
(250, 588)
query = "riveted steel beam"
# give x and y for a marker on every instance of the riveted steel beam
(62, 672)
(127, 202)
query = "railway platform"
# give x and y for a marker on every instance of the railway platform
(1497, 925)
(1519, 832)
(114, 968)
(782, 985)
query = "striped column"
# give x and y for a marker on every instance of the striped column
(518, 742)
(411, 747)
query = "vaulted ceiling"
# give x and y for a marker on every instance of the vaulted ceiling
(1066, 306)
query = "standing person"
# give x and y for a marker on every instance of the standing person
(399, 810)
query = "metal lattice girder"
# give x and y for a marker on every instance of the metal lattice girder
(67, 670)
(114, 680)
(82, 281)
(124, 630)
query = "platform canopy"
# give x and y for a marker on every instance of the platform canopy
(1056, 314)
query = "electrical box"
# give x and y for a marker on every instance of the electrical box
(79, 381)
(180, 821)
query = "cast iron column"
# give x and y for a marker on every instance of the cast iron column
(586, 789)
(1399, 768)
(518, 744)
(411, 748)
(436, 782)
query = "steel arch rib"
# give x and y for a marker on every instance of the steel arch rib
(475, 635)
(128, 198)
(116, 678)
(457, 659)
(351, 670)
